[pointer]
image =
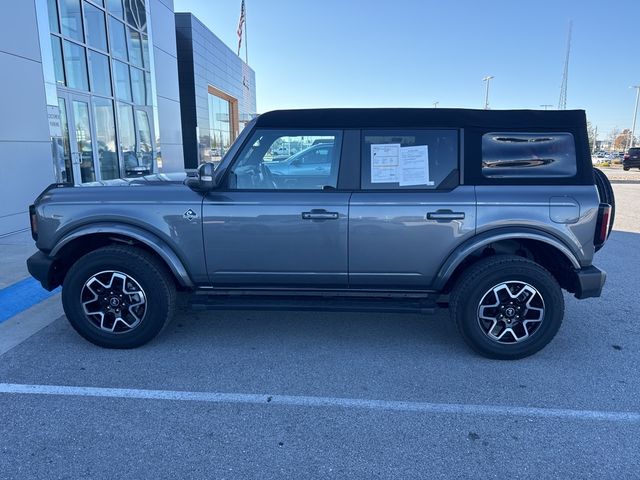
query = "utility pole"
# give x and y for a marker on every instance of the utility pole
(435, 104)
(635, 114)
(562, 103)
(546, 106)
(595, 139)
(487, 79)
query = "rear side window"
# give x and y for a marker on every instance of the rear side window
(409, 159)
(528, 155)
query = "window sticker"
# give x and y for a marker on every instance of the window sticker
(385, 160)
(414, 166)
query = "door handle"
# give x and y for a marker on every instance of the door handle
(445, 215)
(320, 215)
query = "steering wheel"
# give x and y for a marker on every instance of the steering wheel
(261, 177)
(267, 176)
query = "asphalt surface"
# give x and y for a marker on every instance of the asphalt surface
(326, 395)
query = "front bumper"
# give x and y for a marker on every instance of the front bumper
(43, 268)
(589, 282)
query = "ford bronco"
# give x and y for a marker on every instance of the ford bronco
(493, 213)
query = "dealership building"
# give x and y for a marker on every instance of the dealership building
(100, 89)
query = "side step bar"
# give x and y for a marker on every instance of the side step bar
(313, 303)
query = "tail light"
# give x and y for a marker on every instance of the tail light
(626, 156)
(602, 226)
(33, 218)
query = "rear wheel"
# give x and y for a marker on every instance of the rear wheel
(118, 297)
(507, 307)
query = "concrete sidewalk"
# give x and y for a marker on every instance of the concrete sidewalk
(25, 307)
(14, 251)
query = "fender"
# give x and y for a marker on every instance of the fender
(456, 257)
(143, 236)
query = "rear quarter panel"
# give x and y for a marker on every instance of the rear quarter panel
(569, 212)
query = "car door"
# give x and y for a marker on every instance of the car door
(263, 230)
(411, 211)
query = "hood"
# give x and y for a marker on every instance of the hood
(154, 179)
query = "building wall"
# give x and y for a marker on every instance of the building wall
(203, 60)
(26, 166)
(165, 67)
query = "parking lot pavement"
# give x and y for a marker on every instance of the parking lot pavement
(616, 174)
(302, 395)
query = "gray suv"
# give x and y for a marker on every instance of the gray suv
(491, 213)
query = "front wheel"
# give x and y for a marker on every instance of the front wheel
(507, 307)
(118, 297)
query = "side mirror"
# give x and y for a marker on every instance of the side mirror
(205, 180)
(296, 163)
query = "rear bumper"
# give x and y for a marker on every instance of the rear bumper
(42, 268)
(589, 282)
(631, 163)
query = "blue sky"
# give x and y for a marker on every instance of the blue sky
(409, 53)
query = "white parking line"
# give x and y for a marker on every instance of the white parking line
(307, 401)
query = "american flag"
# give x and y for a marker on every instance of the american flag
(241, 26)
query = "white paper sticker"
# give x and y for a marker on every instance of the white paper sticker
(385, 161)
(414, 166)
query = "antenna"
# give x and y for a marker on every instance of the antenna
(562, 103)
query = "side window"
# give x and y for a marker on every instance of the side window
(409, 159)
(528, 155)
(288, 160)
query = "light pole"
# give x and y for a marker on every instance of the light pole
(487, 79)
(635, 114)
(546, 106)
(435, 104)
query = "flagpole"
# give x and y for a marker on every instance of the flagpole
(246, 47)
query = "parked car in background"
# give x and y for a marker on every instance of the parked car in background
(305, 167)
(631, 159)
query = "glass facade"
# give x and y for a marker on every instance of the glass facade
(101, 60)
(221, 131)
(217, 91)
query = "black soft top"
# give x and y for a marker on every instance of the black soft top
(422, 117)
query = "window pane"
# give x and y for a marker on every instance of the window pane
(135, 47)
(115, 7)
(138, 86)
(276, 160)
(122, 80)
(387, 163)
(147, 83)
(65, 147)
(106, 138)
(528, 155)
(75, 65)
(118, 39)
(53, 16)
(99, 73)
(56, 47)
(127, 137)
(135, 14)
(145, 51)
(144, 133)
(71, 19)
(96, 31)
(83, 140)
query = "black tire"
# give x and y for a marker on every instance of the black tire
(480, 279)
(626, 169)
(158, 292)
(605, 191)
